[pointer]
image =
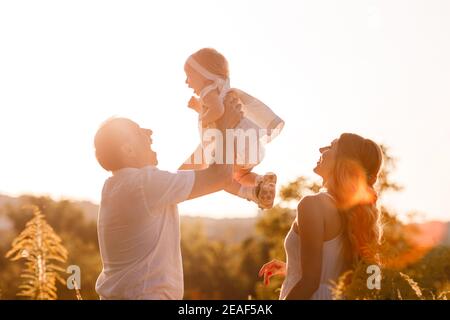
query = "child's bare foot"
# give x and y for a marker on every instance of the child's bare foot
(265, 190)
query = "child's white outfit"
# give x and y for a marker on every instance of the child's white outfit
(257, 118)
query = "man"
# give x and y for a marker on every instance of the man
(138, 222)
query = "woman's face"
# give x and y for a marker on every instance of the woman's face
(194, 80)
(325, 165)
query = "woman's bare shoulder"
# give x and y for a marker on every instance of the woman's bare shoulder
(316, 204)
(309, 206)
(314, 199)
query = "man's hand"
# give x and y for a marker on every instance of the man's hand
(233, 112)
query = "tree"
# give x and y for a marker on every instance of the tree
(44, 253)
(210, 267)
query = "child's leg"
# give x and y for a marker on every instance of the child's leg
(245, 192)
(253, 187)
(245, 176)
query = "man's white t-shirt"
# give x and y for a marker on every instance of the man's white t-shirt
(139, 234)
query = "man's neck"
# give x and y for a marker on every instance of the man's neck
(132, 168)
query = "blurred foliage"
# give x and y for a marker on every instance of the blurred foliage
(45, 258)
(297, 189)
(206, 260)
(226, 270)
(408, 270)
(78, 235)
(384, 182)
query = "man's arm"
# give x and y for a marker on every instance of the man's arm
(211, 180)
(195, 161)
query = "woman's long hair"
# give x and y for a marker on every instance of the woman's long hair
(357, 165)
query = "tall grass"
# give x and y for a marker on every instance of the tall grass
(44, 256)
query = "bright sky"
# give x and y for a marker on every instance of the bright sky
(377, 68)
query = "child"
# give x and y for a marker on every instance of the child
(207, 74)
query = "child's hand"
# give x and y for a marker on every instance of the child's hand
(195, 104)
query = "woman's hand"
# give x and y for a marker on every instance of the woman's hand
(272, 268)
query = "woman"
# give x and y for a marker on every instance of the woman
(333, 228)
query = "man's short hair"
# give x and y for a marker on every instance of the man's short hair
(111, 135)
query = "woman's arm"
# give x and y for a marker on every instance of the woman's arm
(311, 223)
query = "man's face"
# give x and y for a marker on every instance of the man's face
(148, 155)
(139, 149)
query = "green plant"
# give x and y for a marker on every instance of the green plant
(43, 252)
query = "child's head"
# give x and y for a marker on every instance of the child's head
(211, 60)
